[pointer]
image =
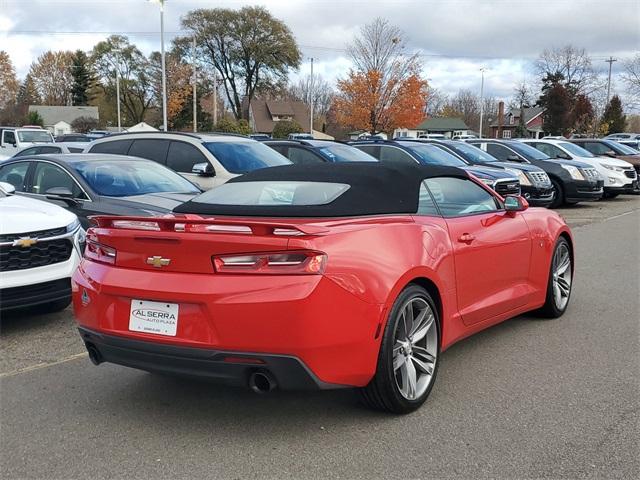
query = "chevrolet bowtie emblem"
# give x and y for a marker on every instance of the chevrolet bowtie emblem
(158, 261)
(25, 242)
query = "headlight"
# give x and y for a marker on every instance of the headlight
(522, 177)
(573, 171)
(487, 181)
(73, 226)
(613, 167)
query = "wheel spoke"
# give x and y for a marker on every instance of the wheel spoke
(420, 334)
(564, 286)
(556, 293)
(412, 379)
(408, 318)
(424, 366)
(423, 354)
(564, 263)
(398, 361)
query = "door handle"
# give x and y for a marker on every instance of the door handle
(466, 238)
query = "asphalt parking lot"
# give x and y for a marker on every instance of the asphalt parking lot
(527, 398)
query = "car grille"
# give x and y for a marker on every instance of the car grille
(507, 187)
(631, 173)
(37, 255)
(53, 232)
(540, 177)
(590, 173)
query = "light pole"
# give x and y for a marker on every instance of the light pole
(116, 67)
(481, 100)
(164, 74)
(311, 100)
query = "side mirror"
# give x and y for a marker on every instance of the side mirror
(7, 188)
(203, 169)
(515, 203)
(564, 156)
(61, 194)
(610, 153)
(513, 158)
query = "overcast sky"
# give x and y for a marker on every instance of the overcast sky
(456, 37)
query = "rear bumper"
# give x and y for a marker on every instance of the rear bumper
(229, 368)
(310, 318)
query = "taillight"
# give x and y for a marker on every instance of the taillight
(273, 263)
(98, 252)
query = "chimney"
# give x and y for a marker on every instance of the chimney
(500, 119)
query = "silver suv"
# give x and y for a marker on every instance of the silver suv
(206, 159)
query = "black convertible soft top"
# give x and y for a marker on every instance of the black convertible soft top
(375, 189)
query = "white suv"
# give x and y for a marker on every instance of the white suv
(208, 160)
(619, 176)
(40, 247)
(14, 139)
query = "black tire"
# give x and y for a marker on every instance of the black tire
(382, 392)
(558, 195)
(550, 309)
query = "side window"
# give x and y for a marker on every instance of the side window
(372, 150)
(15, 174)
(183, 156)
(498, 151)
(281, 149)
(458, 197)
(151, 149)
(425, 202)
(549, 150)
(9, 137)
(300, 155)
(120, 147)
(27, 151)
(75, 150)
(395, 155)
(49, 150)
(47, 176)
(595, 148)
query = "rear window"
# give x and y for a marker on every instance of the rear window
(345, 153)
(243, 157)
(273, 193)
(120, 147)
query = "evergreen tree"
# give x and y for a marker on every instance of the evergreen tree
(614, 117)
(82, 78)
(556, 101)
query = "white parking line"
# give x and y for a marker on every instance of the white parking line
(621, 215)
(43, 365)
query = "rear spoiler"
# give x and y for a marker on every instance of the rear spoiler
(197, 224)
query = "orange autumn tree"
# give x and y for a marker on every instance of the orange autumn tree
(385, 90)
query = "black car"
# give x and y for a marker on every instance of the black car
(535, 184)
(572, 181)
(417, 151)
(314, 151)
(94, 184)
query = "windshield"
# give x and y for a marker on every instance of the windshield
(432, 155)
(470, 153)
(34, 136)
(620, 148)
(131, 177)
(273, 193)
(575, 149)
(243, 157)
(345, 153)
(528, 152)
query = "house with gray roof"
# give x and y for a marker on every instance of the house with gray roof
(58, 119)
(533, 119)
(264, 114)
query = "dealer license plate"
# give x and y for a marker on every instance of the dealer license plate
(153, 317)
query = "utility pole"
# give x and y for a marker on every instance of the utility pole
(610, 62)
(311, 100)
(118, 99)
(481, 100)
(215, 97)
(195, 78)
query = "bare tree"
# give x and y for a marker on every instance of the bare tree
(436, 100)
(572, 62)
(631, 78)
(317, 89)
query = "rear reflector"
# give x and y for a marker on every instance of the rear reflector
(273, 263)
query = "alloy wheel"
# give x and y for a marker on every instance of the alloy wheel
(415, 348)
(561, 276)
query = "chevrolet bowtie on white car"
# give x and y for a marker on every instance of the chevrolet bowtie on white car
(619, 176)
(40, 247)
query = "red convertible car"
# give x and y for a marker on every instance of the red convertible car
(319, 276)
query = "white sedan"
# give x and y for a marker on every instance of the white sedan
(619, 176)
(40, 247)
